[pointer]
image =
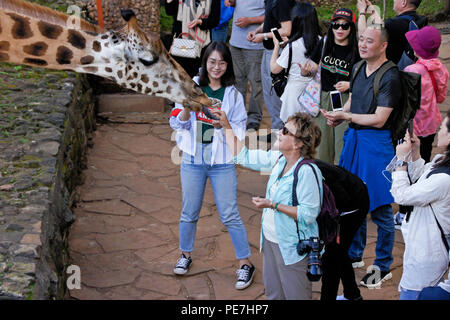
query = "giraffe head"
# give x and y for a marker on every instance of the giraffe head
(140, 62)
(38, 36)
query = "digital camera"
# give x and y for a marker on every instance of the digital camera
(313, 246)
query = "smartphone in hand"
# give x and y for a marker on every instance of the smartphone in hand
(411, 129)
(277, 35)
(336, 100)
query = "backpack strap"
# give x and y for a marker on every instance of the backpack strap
(380, 73)
(290, 59)
(358, 66)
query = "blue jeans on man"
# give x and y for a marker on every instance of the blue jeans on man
(382, 217)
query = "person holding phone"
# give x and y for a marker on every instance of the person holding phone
(337, 54)
(425, 230)
(305, 38)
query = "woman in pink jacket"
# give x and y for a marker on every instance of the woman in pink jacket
(425, 43)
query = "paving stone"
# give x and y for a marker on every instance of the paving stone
(109, 279)
(86, 293)
(223, 285)
(197, 288)
(115, 168)
(133, 239)
(144, 145)
(111, 207)
(31, 239)
(97, 193)
(86, 246)
(158, 283)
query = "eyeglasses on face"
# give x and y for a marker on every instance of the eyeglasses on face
(344, 26)
(219, 63)
(285, 131)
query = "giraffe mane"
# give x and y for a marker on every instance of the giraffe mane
(44, 13)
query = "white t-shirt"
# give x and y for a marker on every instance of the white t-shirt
(298, 56)
(269, 218)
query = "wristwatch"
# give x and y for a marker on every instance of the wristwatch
(265, 36)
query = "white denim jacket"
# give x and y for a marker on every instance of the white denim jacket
(425, 259)
(234, 107)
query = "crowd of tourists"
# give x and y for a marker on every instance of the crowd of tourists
(342, 105)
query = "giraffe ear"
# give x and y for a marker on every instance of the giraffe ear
(127, 14)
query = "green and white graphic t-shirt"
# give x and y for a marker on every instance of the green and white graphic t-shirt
(205, 129)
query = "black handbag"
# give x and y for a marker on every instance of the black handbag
(280, 80)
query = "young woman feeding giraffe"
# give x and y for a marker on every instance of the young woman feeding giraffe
(205, 155)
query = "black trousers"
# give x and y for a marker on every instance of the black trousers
(336, 264)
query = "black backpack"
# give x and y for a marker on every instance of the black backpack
(410, 102)
(342, 192)
(279, 80)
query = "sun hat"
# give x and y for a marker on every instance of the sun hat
(425, 42)
(344, 13)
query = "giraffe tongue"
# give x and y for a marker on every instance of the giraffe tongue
(208, 113)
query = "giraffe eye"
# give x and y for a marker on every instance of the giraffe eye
(147, 63)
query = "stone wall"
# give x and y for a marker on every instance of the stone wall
(147, 13)
(45, 121)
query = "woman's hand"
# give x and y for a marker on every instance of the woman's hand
(342, 86)
(194, 22)
(402, 150)
(262, 203)
(223, 120)
(361, 5)
(308, 69)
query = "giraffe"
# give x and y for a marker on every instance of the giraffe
(38, 36)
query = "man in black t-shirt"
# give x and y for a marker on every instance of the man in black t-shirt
(396, 27)
(368, 147)
(277, 15)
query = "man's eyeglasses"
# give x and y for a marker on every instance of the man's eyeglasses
(220, 64)
(285, 131)
(344, 26)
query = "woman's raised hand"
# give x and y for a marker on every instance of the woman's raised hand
(262, 203)
(223, 120)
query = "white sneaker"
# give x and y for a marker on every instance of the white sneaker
(341, 297)
(357, 264)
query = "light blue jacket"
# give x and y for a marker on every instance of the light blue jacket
(309, 196)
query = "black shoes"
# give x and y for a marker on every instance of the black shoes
(244, 276)
(182, 265)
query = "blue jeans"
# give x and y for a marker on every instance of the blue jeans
(408, 294)
(433, 293)
(273, 102)
(224, 183)
(382, 217)
(220, 33)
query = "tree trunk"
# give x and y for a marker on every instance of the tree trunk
(447, 7)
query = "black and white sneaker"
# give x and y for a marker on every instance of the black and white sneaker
(357, 263)
(375, 278)
(182, 265)
(244, 276)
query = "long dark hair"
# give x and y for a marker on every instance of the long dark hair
(353, 55)
(305, 24)
(228, 77)
(445, 161)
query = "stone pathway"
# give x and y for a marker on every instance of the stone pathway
(125, 237)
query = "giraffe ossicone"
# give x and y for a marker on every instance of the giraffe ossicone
(38, 36)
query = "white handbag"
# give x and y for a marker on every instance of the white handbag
(186, 48)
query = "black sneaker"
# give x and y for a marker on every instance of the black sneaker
(182, 265)
(253, 126)
(374, 278)
(244, 276)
